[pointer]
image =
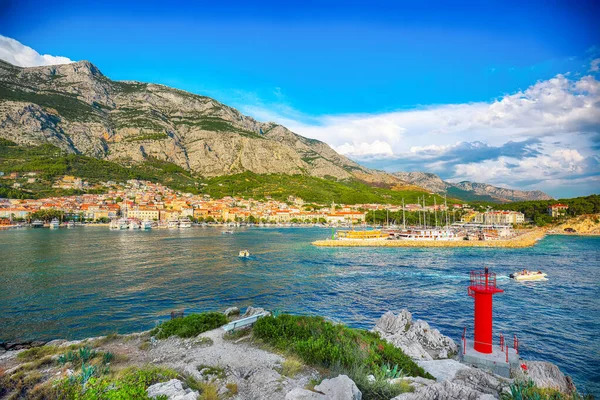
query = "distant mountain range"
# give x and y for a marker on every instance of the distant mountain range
(79, 110)
(469, 191)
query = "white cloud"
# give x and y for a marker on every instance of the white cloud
(595, 65)
(542, 134)
(20, 55)
(365, 149)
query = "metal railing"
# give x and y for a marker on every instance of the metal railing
(502, 343)
(483, 280)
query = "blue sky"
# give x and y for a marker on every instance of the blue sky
(360, 77)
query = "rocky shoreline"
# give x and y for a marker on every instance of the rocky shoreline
(241, 367)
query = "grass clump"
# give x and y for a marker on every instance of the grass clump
(35, 353)
(210, 371)
(189, 326)
(354, 352)
(209, 391)
(232, 388)
(145, 345)
(291, 367)
(39, 363)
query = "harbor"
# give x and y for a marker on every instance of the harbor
(526, 239)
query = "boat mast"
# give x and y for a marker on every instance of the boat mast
(387, 217)
(446, 207)
(403, 217)
(424, 213)
(435, 210)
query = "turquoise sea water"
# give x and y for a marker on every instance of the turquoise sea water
(89, 281)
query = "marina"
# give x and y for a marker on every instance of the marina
(429, 238)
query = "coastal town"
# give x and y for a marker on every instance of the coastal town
(147, 201)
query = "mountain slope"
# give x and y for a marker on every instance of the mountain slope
(76, 108)
(469, 191)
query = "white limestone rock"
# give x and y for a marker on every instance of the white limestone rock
(231, 311)
(445, 391)
(545, 375)
(443, 370)
(339, 388)
(173, 389)
(416, 338)
(481, 381)
(303, 394)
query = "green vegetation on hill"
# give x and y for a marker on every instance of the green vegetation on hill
(537, 211)
(310, 189)
(50, 162)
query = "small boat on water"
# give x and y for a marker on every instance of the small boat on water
(185, 223)
(133, 225)
(55, 223)
(118, 224)
(227, 233)
(173, 223)
(146, 224)
(528, 276)
(70, 225)
(244, 253)
(37, 224)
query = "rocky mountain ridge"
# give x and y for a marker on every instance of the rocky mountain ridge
(78, 109)
(480, 191)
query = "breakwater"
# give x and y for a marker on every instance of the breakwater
(527, 239)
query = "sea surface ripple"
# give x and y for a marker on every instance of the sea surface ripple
(89, 281)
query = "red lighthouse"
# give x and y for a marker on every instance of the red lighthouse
(482, 288)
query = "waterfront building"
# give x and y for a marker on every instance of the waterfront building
(557, 210)
(144, 213)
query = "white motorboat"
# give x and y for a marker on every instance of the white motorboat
(146, 224)
(55, 223)
(185, 223)
(528, 276)
(244, 254)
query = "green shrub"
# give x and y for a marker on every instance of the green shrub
(322, 343)
(354, 352)
(189, 326)
(130, 383)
